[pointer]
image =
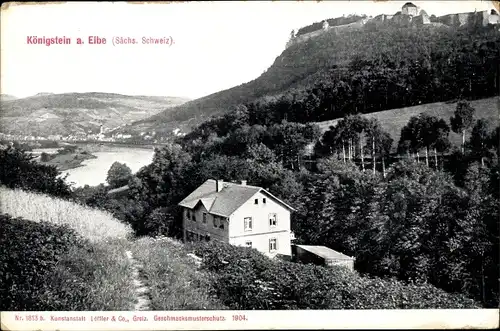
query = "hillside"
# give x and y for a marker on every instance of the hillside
(348, 70)
(57, 250)
(77, 113)
(7, 97)
(394, 120)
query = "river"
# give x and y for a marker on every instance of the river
(94, 171)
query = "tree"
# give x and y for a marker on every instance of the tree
(441, 142)
(18, 169)
(411, 138)
(438, 137)
(462, 120)
(44, 157)
(494, 141)
(379, 143)
(478, 142)
(385, 148)
(118, 175)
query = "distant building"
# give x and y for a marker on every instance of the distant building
(238, 214)
(422, 19)
(409, 9)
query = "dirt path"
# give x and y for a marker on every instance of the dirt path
(141, 290)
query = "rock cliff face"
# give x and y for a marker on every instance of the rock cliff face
(405, 18)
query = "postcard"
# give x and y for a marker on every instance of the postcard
(249, 165)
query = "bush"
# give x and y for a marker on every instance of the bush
(159, 222)
(246, 279)
(48, 267)
(19, 170)
(45, 157)
(31, 252)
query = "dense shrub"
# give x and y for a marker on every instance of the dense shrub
(246, 279)
(19, 170)
(48, 267)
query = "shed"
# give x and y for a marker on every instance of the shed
(321, 255)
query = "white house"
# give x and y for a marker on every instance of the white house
(238, 214)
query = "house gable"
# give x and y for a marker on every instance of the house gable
(225, 202)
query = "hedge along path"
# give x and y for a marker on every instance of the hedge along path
(142, 291)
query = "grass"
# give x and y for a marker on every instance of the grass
(395, 119)
(174, 281)
(95, 275)
(92, 224)
(104, 276)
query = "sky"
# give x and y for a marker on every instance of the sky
(217, 45)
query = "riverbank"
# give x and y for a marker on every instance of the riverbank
(94, 171)
(65, 159)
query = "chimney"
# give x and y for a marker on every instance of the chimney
(243, 182)
(219, 184)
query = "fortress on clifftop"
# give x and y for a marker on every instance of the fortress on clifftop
(409, 16)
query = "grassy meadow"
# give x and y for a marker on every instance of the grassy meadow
(94, 225)
(173, 278)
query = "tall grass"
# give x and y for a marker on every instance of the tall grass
(92, 224)
(173, 278)
(93, 276)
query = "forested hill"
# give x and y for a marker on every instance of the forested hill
(365, 70)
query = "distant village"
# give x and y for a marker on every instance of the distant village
(104, 135)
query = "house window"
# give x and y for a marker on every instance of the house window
(216, 221)
(248, 244)
(256, 201)
(273, 244)
(207, 237)
(189, 214)
(248, 223)
(193, 217)
(221, 226)
(205, 218)
(273, 219)
(263, 200)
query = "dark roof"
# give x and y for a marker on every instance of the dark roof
(409, 4)
(325, 252)
(224, 203)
